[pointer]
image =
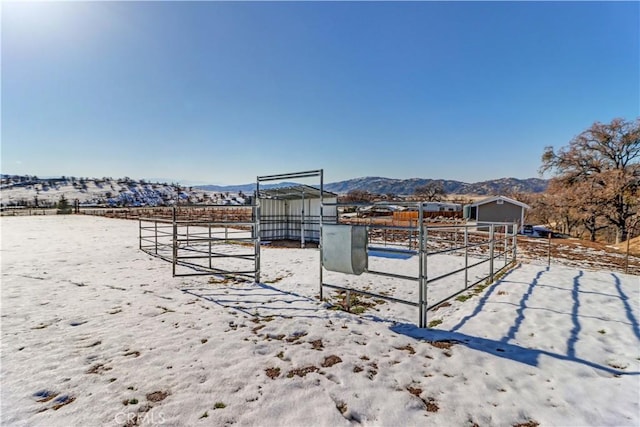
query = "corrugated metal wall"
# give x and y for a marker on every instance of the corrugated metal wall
(282, 219)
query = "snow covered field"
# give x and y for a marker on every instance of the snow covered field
(96, 332)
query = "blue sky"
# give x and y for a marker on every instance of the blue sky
(217, 92)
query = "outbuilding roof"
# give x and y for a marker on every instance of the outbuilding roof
(294, 192)
(503, 198)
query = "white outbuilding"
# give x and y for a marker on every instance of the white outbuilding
(293, 213)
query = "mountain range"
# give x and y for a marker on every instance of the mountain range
(380, 185)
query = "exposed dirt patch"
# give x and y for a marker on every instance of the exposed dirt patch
(443, 305)
(407, 348)
(301, 372)
(273, 373)
(291, 244)
(444, 344)
(578, 253)
(529, 423)
(296, 336)
(316, 345)
(330, 361)
(98, 369)
(62, 401)
(157, 396)
(414, 390)
(45, 396)
(431, 405)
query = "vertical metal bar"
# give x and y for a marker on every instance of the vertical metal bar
(256, 232)
(549, 250)
(320, 237)
(491, 249)
(210, 266)
(466, 257)
(515, 245)
(302, 224)
(175, 241)
(140, 233)
(422, 303)
(506, 244)
(155, 223)
(410, 234)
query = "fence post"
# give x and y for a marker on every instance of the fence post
(175, 241)
(491, 249)
(506, 245)
(155, 223)
(466, 257)
(422, 270)
(515, 243)
(549, 250)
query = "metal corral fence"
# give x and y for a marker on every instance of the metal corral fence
(194, 239)
(26, 211)
(431, 263)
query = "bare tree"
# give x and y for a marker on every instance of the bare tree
(431, 192)
(601, 165)
(357, 196)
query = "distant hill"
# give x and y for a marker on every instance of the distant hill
(379, 185)
(244, 188)
(31, 191)
(407, 186)
(42, 192)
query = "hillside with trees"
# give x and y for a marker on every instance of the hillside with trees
(34, 192)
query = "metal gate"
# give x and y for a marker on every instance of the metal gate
(195, 238)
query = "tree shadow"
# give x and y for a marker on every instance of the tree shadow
(529, 356)
(627, 307)
(511, 334)
(483, 300)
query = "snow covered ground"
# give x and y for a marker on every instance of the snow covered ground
(96, 332)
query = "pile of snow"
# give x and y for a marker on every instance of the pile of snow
(96, 332)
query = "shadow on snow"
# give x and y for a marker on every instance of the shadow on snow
(502, 348)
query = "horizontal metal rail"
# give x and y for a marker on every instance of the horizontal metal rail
(371, 294)
(487, 244)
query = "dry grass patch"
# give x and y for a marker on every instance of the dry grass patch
(330, 361)
(444, 344)
(273, 373)
(157, 396)
(407, 348)
(301, 372)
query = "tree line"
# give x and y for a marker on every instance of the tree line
(594, 190)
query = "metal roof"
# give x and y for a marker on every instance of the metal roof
(503, 198)
(294, 192)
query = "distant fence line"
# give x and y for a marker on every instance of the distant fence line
(540, 249)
